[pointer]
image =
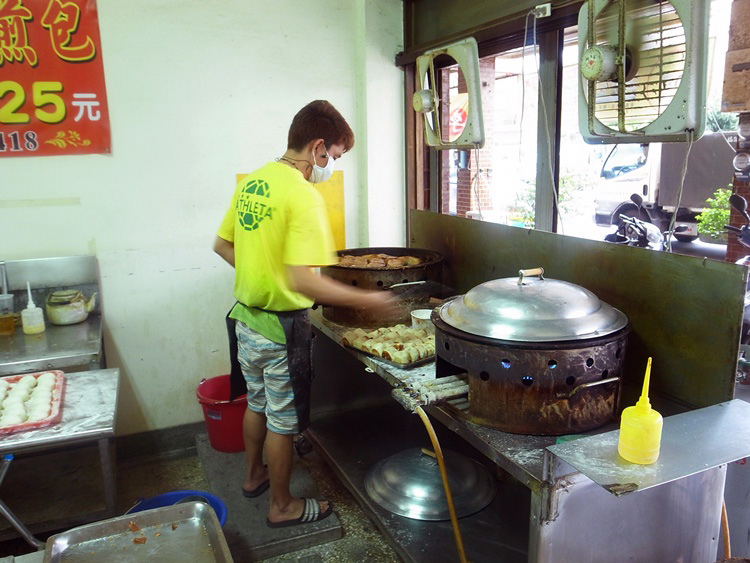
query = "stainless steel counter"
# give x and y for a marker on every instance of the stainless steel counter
(58, 347)
(692, 442)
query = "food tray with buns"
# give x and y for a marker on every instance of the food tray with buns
(400, 346)
(40, 403)
(421, 362)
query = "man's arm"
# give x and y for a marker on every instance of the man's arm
(225, 249)
(323, 289)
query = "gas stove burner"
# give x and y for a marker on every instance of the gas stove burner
(543, 356)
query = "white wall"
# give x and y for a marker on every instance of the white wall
(199, 91)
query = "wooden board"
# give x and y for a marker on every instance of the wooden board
(333, 194)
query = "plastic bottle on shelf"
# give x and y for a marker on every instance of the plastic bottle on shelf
(640, 429)
(32, 317)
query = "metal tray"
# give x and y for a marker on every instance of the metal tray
(182, 532)
(419, 362)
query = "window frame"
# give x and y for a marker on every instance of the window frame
(423, 164)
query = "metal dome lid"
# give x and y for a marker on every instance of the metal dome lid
(532, 310)
(409, 484)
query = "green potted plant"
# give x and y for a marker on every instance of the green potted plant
(711, 222)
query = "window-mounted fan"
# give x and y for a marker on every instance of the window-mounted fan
(642, 70)
(463, 128)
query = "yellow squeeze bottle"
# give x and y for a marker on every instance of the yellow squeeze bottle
(32, 318)
(640, 429)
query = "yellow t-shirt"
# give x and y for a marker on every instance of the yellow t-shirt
(276, 219)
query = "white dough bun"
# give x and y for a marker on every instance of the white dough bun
(39, 405)
(42, 390)
(10, 420)
(36, 402)
(46, 377)
(4, 384)
(48, 385)
(14, 409)
(9, 401)
(22, 392)
(38, 414)
(19, 411)
(28, 381)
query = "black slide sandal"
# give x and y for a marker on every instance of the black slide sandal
(311, 513)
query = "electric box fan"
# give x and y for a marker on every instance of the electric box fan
(642, 70)
(459, 125)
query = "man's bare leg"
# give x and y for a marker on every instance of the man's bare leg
(254, 434)
(280, 454)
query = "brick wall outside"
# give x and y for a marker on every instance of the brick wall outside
(740, 186)
(734, 249)
(478, 198)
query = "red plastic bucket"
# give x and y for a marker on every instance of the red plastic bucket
(223, 417)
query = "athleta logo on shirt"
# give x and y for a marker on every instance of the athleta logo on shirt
(252, 204)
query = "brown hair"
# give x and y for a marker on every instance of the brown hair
(319, 120)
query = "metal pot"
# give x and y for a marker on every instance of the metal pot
(543, 356)
(68, 307)
(382, 278)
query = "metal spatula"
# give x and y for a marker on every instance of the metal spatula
(423, 288)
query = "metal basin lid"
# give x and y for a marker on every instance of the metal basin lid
(409, 484)
(532, 310)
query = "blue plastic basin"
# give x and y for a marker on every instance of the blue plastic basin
(168, 499)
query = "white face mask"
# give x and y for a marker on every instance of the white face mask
(320, 174)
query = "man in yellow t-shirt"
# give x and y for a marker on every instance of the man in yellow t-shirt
(274, 233)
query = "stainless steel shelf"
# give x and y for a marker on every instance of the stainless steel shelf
(58, 347)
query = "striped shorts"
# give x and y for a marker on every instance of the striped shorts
(269, 388)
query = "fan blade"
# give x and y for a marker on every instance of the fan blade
(606, 26)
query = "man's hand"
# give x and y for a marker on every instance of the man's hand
(383, 303)
(323, 289)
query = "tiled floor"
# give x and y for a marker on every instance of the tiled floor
(41, 488)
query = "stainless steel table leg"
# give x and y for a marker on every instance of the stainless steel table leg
(12, 518)
(107, 458)
(18, 525)
(4, 464)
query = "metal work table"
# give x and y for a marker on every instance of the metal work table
(58, 347)
(89, 407)
(567, 508)
(716, 435)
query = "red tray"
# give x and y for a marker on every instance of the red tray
(56, 411)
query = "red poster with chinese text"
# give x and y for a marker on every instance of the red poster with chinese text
(52, 95)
